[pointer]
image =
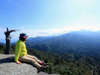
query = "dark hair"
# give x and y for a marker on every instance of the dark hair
(21, 37)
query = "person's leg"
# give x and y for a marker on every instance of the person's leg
(39, 61)
(33, 57)
(26, 59)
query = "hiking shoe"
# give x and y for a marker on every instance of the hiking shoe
(43, 63)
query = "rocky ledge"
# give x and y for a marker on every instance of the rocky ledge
(9, 67)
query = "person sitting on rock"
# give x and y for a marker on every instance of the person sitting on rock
(21, 54)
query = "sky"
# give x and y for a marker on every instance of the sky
(48, 17)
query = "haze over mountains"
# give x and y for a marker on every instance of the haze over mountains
(86, 42)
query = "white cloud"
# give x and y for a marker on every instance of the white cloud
(41, 32)
(58, 31)
(77, 28)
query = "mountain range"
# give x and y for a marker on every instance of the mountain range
(84, 42)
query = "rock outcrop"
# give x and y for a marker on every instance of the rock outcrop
(9, 67)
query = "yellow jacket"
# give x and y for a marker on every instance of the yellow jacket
(20, 49)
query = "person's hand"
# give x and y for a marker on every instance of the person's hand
(18, 62)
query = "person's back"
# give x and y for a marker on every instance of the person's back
(20, 50)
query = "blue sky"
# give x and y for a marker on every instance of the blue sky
(48, 17)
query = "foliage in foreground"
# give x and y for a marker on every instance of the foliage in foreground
(66, 64)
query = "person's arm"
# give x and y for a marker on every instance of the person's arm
(17, 53)
(18, 62)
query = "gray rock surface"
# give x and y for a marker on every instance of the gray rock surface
(9, 67)
(13, 69)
